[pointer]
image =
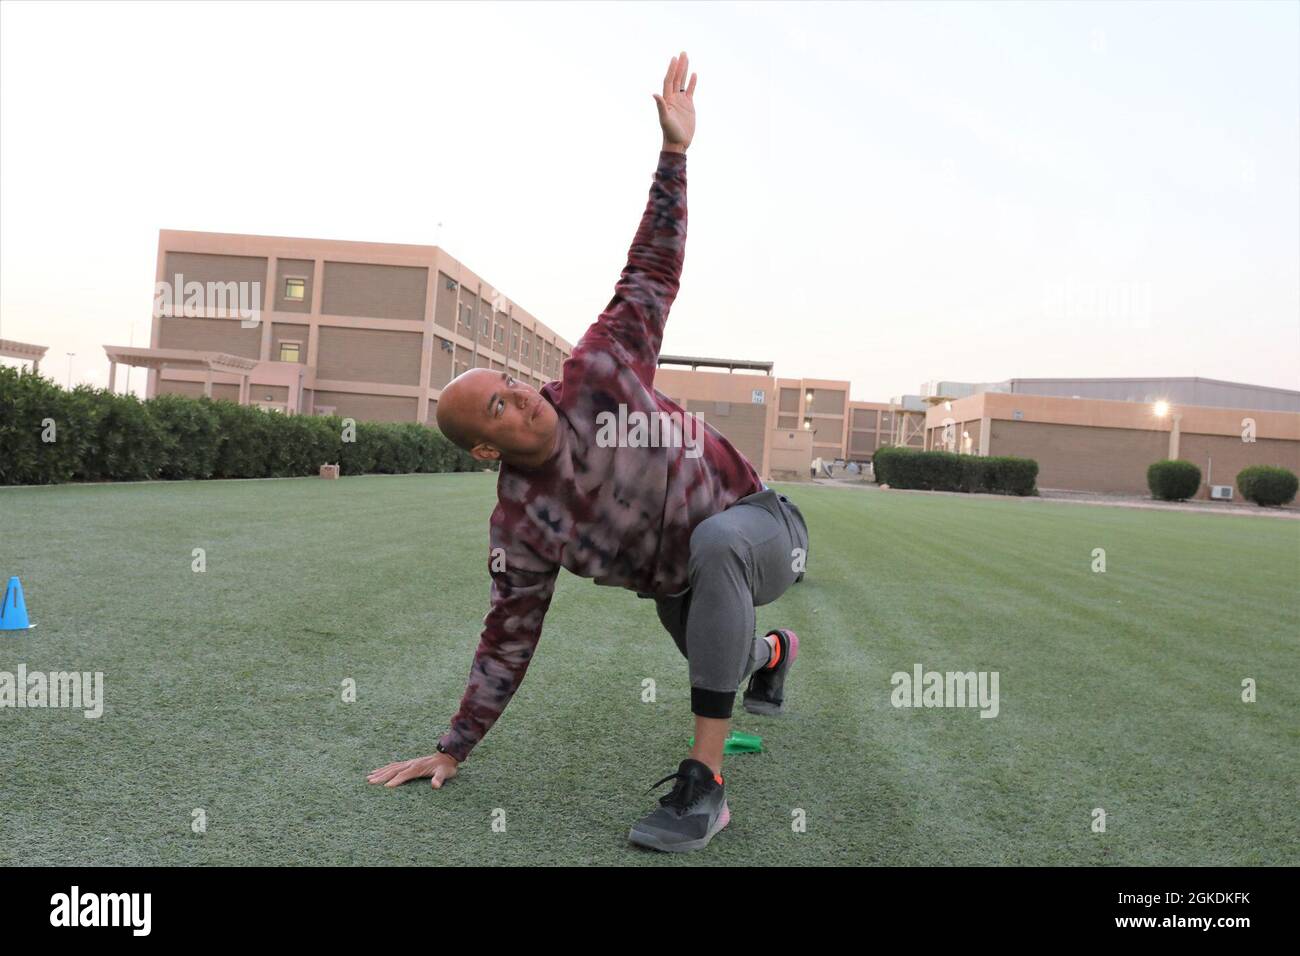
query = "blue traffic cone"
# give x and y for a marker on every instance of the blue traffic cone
(13, 612)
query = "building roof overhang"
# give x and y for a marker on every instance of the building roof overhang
(22, 350)
(179, 358)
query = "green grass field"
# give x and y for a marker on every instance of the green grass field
(1119, 690)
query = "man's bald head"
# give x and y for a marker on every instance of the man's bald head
(493, 415)
(453, 416)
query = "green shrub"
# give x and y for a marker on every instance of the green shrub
(946, 471)
(122, 440)
(190, 435)
(909, 468)
(300, 444)
(1011, 476)
(48, 434)
(1173, 479)
(40, 441)
(1267, 485)
(246, 447)
(360, 448)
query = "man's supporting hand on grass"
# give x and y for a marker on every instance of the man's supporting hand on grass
(441, 767)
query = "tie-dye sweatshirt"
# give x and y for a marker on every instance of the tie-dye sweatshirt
(614, 504)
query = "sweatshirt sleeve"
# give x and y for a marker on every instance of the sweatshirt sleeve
(632, 325)
(522, 586)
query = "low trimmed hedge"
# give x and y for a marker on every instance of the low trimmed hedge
(945, 471)
(1173, 479)
(49, 435)
(1267, 485)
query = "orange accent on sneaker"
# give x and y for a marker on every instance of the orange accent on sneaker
(776, 651)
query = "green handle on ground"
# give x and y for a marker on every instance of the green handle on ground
(738, 743)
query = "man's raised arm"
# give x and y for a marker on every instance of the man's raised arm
(633, 322)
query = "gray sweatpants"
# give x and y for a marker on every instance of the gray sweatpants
(741, 558)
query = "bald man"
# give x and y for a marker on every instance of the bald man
(603, 475)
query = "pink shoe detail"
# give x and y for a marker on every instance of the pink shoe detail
(793, 643)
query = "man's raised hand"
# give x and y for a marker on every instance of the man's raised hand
(677, 105)
(440, 767)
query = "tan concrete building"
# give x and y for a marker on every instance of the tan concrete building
(373, 331)
(781, 424)
(365, 330)
(737, 402)
(1088, 444)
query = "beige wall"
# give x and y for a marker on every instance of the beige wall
(210, 335)
(363, 407)
(368, 355)
(207, 267)
(1079, 457)
(374, 290)
(1220, 457)
(726, 401)
(744, 425)
(791, 453)
(870, 426)
(826, 416)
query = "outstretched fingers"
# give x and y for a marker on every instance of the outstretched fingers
(669, 77)
(675, 79)
(387, 772)
(411, 772)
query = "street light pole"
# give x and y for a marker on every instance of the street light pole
(70, 355)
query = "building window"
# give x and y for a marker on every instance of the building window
(290, 351)
(526, 348)
(487, 326)
(295, 290)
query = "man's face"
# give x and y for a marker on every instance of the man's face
(509, 420)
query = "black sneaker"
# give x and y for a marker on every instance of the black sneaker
(689, 816)
(766, 691)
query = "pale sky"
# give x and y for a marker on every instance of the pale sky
(885, 193)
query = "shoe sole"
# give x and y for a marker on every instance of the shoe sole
(652, 842)
(765, 708)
